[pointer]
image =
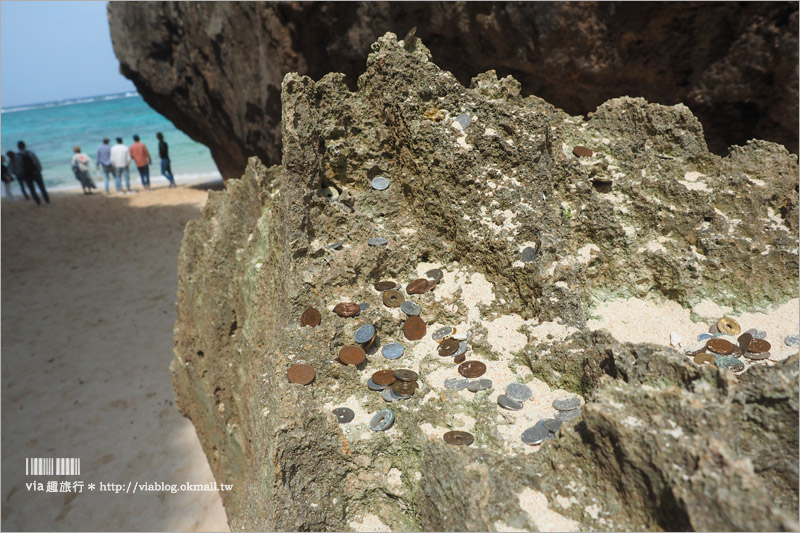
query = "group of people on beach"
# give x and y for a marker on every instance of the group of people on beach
(114, 161)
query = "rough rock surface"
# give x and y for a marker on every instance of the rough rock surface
(661, 443)
(215, 68)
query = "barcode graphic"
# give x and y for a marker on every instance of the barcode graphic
(49, 466)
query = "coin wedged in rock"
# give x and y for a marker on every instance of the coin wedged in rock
(720, 346)
(463, 120)
(458, 438)
(414, 328)
(329, 192)
(552, 424)
(472, 369)
(418, 286)
(410, 308)
(757, 356)
(442, 333)
(335, 246)
(384, 378)
(371, 385)
(385, 285)
(568, 415)
(363, 306)
(462, 348)
(744, 341)
(404, 388)
(536, 434)
(792, 340)
(392, 351)
(380, 183)
(728, 326)
(507, 403)
(406, 375)
(528, 254)
(434, 274)
(456, 383)
(301, 374)
(759, 346)
(344, 415)
(518, 391)
(352, 355)
(460, 358)
(731, 363)
(310, 317)
(382, 420)
(448, 347)
(365, 333)
(393, 298)
(347, 309)
(704, 358)
(567, 403)
(582, 151)
(377, 241)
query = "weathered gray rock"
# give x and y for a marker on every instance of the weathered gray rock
(689, 448)
(215, 68)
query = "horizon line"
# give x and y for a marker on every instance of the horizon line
(63, 101)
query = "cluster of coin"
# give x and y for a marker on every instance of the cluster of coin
(394, 385)
(544, 429)
(722, 347)
(516, 394)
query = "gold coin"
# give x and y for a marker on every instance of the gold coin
(728, 326)
(704, 358)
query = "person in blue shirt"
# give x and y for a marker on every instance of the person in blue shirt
(163, 153)
(104, 162)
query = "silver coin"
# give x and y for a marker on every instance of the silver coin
(392, 351)
(757, 356)
(442, 333)
(479, 385)
(456, 383)
(463, 120)
(568, 415)
(377, 241)
(528, 254)
(382, 420)
(363, 306)
(343, 414)
(374, 386)
(535, 435)
(757, 333)
(388, 395)
(567, 404)
(507, 403)
(364, 333)
(434, 275)
(704, 337)
(380, 183)
(410, 308)
(329, 192)
(792, 340)
(518, 391)
(731, 363)
(335, 246)
(462, 348)
(552, 424)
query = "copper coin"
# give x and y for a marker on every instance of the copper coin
(728, 326)
(431, 284)
(460, 358)
(472, 369)
(703, 358)
(404, 388)
(406, 375)
(385, 286)
(347, 309)
(448, 347)
(384, 377)
(352, 355)
(310, 317)
(759, 346)
(302, 374)
(393, 298)
(721, 346)
(459, 438)
(414, 328)
(418, 286)
(744, 342)
(582, 151)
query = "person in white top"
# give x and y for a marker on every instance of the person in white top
(80, 166)
(120, 160)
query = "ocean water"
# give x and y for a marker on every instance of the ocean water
(52, 130)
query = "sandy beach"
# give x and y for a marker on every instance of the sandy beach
(88, 303)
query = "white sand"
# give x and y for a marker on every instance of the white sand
(89, 288)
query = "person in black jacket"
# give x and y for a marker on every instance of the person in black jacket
(31, 172)
(163, 153)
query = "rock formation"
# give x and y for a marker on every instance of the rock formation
(215, 68)
(477, 175)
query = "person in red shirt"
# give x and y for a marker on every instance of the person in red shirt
(141, 157)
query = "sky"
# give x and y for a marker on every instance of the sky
(55, 51)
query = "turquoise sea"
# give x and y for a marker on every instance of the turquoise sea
(52, 130)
